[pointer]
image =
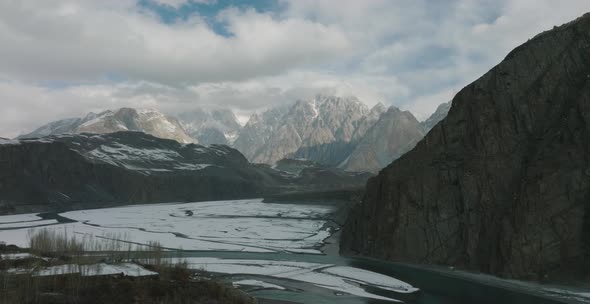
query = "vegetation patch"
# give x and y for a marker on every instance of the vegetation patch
(24, 277)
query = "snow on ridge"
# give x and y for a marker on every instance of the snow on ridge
(314, 107)
(121, 152)
(168, 126)
(191, 167)
(97, 118)
(148, 111)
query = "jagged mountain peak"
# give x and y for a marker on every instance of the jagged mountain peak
(378, 107)
(321, 119)
(211, 126)
(327, 129)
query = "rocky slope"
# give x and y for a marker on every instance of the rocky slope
(441, 112)
(218, 126)
(87, 170)
(280, 132)
(368, 121)
(502, 184)
(395, 133)
(125, 119)
(258, 130)
(336, 152)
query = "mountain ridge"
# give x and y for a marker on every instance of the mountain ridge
(325, 129)
(150, 121)
(88, 170)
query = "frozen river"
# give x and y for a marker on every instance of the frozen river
(271, 250)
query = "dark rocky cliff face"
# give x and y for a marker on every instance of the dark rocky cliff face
(502, 184)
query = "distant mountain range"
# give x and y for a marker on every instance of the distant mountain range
(148, 121)
(334, 131)
(282, 131)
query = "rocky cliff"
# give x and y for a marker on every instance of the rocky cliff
(502, 184)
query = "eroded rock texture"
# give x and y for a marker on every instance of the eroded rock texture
(502, 184)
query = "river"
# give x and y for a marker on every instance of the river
(278, 252)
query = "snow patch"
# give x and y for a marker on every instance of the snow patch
(127, 269)
(338, 278)
(122, 152)
(26, 224)
(258, 284)
(19, 256)
(242, 225)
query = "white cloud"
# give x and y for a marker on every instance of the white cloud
(171, 3)
(65, 57)
(176, 4)
(85, 41)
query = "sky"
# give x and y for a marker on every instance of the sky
(65, 58)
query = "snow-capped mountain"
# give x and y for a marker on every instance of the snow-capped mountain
(258, 130)
(148, 121)
(279, 132)
(328, 130)
(335, 152)
(333, 131)
(219, 126)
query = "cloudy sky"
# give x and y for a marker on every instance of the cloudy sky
(63, 58)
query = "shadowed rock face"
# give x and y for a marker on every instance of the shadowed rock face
(502, 184)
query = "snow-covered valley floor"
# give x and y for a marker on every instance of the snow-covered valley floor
(240, 226)
(269, 250)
